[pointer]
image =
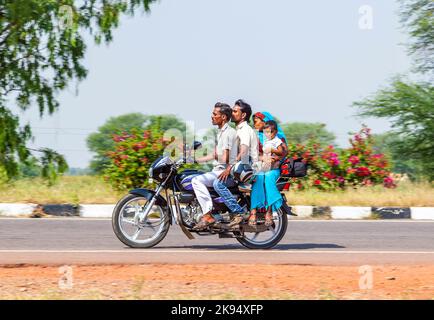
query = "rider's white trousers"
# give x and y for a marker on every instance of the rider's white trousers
(200, 186)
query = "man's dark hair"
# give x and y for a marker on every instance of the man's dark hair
(224, 109)
(245, 108)
(271, 124)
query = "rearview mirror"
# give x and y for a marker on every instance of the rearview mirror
(197, 145)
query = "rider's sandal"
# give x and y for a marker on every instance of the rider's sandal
(268, 219)
(252, 219)
(235, 222)
(204, 223)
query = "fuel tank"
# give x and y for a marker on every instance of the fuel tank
(183, 179)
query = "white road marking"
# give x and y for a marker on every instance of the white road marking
(290, 220)
(217, 251)
(361, 220)
(57, 219)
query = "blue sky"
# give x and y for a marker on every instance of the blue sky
(300, 60)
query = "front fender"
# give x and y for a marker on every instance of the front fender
(160, 201)
(148, 194)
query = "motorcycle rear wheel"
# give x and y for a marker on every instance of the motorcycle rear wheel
(254, 243)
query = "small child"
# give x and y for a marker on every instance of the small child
(273, 148)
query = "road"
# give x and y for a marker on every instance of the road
(313, 242)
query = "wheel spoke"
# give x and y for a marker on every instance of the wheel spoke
(136, 234)
(129, 209)
(128, 221)
(149, 224)
(255, 236)
(137, 209)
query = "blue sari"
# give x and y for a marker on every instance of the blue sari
(264, 190)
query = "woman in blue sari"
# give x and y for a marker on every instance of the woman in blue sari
(259, 120)
(265, 194)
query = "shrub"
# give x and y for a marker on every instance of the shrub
(134, 153)
(331, 168)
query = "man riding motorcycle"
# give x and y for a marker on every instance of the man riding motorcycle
(142, 218)
(224, 154)
(248, 155)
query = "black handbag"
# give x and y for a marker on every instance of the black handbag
(293, 168)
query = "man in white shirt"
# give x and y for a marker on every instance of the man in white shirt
(248, 152)
(224, 155)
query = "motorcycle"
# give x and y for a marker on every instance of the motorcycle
(142, 218)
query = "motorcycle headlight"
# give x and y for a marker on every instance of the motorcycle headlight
(150, 173)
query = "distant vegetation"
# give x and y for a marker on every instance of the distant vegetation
(93, 189)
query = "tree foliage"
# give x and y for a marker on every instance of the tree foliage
(52, 164)
(133, 155)
(302, 132)
(388, 143)
(102, 141)
(12, 143)
(41, 52)
(417, 16)
(410, 105)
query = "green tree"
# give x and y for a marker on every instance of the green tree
(410, 105)
(12, 143)
(102, 142)
(30, 168)
(302, 132)
(41, 52)
(417, 16)
(388, 143)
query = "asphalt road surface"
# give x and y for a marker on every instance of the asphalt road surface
(91, 241)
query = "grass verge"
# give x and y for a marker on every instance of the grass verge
(93, 189)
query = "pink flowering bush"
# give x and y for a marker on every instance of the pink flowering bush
(134, 154)
(329, 168)
(333, 169)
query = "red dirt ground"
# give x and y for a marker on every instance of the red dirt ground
(217, 281)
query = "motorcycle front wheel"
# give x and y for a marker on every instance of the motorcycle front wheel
(130, 231)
